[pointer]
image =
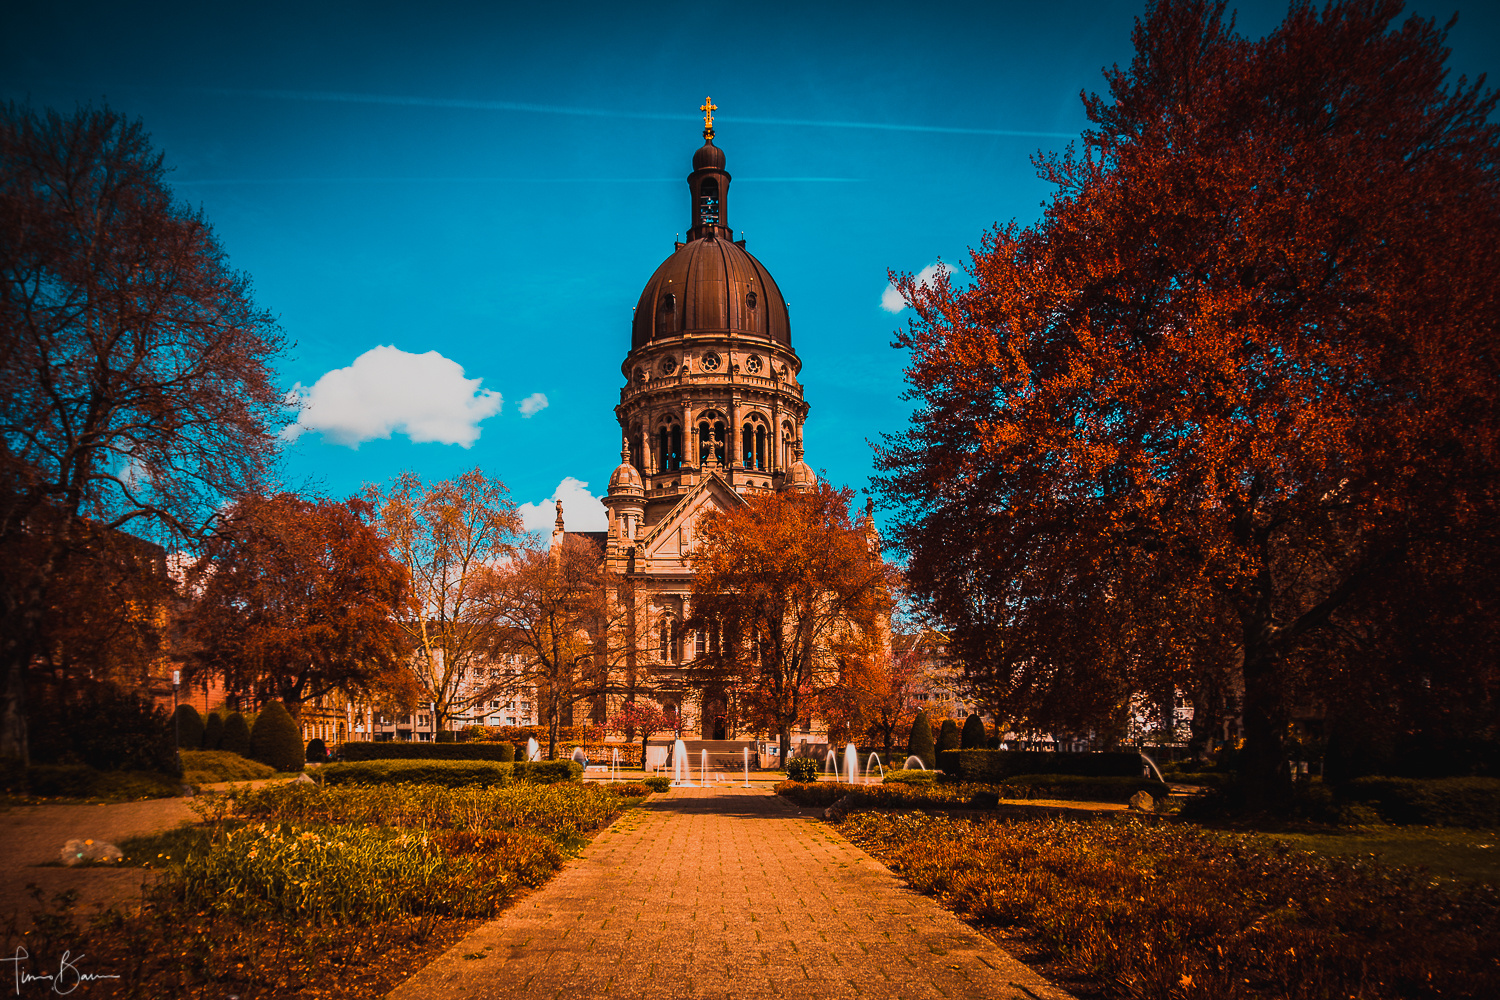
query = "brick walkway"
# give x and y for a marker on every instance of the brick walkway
(724, 893)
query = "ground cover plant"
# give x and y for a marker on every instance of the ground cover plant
(904, 792)
(79, 781)
(1177, 911)
(329, 891)
(203, 767)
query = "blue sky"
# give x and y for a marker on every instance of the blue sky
(496, 182)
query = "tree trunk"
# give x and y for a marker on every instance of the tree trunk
(552, 729)
(785, 736)
(1262, 763)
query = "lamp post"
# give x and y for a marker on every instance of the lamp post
(176, 720)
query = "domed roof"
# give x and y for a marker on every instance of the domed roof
(708, 156)
(626, 479)
(800, 476)
(711, 285)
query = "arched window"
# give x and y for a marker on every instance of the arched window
(711, 434)
(669, 448)
(747, 446)
(760, 448)
(664, 652)
(708, 202)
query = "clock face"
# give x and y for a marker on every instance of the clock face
(752, 364)
(668, 365)
(710, 362)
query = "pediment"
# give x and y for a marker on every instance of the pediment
(671, 539)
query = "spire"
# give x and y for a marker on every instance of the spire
(558, 524)
(709, 185)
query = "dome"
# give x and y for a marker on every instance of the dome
(625, 480)
(800, 476)
(711, 285)
(708, 156)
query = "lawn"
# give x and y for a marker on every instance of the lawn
(1447, 852)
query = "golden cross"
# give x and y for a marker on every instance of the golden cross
(708, 107)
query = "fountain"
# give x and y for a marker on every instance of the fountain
(614, 766)
(914, 762)
(703, 770)
(851, 765)
(533, 751)
(831, 765)
(1153, 767)
(747, 766)
(876, 758)
(682, 770)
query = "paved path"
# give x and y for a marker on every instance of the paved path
(724, 894)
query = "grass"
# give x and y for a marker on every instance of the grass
(61, 783)
(204, 767)
(301, 890)
(1447, 852)
(1176, 911)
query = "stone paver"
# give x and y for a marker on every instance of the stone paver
(724, 893)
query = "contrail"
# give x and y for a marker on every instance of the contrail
(345, 97)
(226, 181)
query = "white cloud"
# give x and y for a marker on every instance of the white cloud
(582, 511)
(386, 390)
(891, 299)
(534, 403)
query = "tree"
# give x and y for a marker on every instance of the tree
(448, 536)
(1239, 378)
(947, 737)
(236, 735)
(874, 697)
(641, 718)
(297, 598)
(789, 590)
(136, 383)
(554, 609)
(187, 727)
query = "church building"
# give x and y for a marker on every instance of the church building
(711, 412)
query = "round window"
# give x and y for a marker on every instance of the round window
(668, 365)
(752, 364)
(710, 362)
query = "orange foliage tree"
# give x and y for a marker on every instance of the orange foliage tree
(294, 599)
(790, 592)
(1241, 377)
(448, 535)
(875, 698)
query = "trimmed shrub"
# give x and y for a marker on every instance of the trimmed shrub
(947, 737)
(1471, 802)
(275, 740)
(203, 767)
(448, 773)
(317, 751)
(427, 751)
(802, 769)
(920, 744)
(974, 736)
(915, 776)
(548, 772)
(629, 790)
(992, 767)
(213, 731)
(187, 727)
(236, 735)
(658, 783)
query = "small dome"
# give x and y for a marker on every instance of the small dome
(801, 477)
(708, 155)
(626, 480)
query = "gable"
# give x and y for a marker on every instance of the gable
(667, 544)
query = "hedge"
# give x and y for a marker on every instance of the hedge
(423, 751)
(920, 744)
(1473, 802)
(236, 738)
(449, 773)
(276, 740)
(992, 767)
(187, 727)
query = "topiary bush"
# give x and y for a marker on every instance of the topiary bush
(947, 737)
(213, 731)
(920, 744)
(507, 753)
(236, 735)
(973, 736)
(658, 783)
(317, 751)
(275, 739)
(803, 769)
(187, 727)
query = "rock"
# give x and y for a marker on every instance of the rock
(1142, 801)
(82, 852)
(837, 810)
(302, 779)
